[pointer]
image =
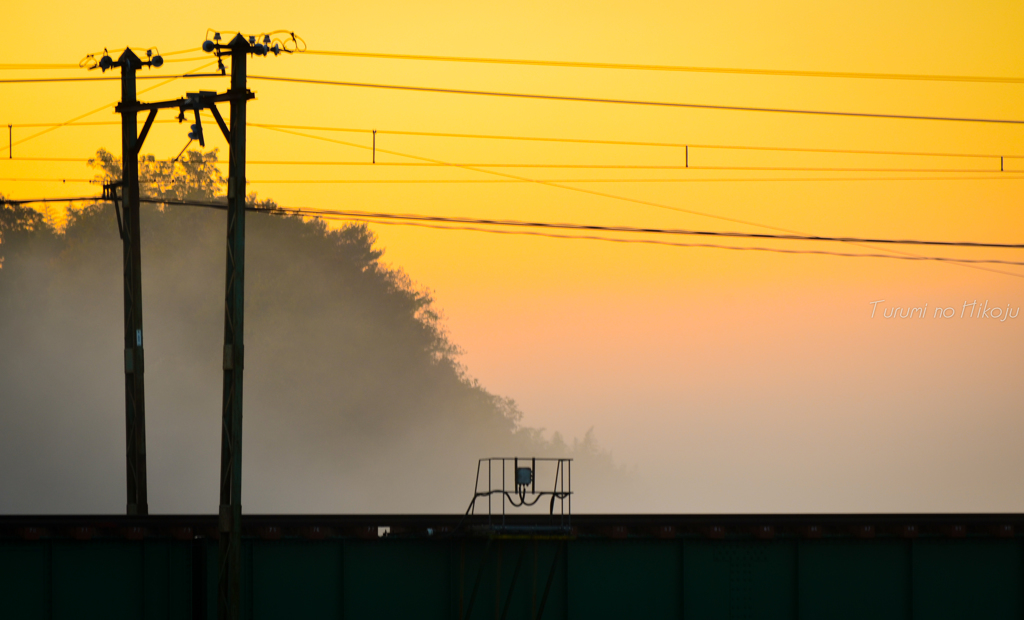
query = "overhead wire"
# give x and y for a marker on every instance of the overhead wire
(576, 140)
(538, 181)
(585, 191)
(626, 180)
(442, 219)
(633, 142)
(635, 102)
(36, 66)
(184, 51)
(962, 173)
(110, 78)
(618, 101)
(686, 245)
(197, 58)
(540, 96)
(69, 159)
(298, 44)
(539, 166)
(89, 60)
(48, 180)
(676, 68)
(785, 149)
(21, 201)
(672, 167)
(80, 124)
(646, 230)
(449, 223)
(487, 226)
(109, 105)
(568, 180)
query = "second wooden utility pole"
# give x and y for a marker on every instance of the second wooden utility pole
(229, 582)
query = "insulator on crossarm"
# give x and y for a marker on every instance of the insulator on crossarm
(197, 134)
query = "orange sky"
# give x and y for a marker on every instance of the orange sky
(749, 381)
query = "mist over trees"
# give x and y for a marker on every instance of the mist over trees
(355, 399)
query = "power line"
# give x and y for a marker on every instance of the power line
(184, 51)
(412, 217)
(467, 224)
(581, 180)
(784, 149)
(24, 201)
(106, 79)
(633, 142)
(193, 59)
(590, 191)
(30, 66)
(659, 231)
(39, 180)
(664, 167)
(80, 124)
(638, 102)
(569, 180)
(71, 159)
(558, 226)
(684, 245)
(457, 224)
(140, 50)
(678, 68)
(110, 105)
(543, 182)
(995, 174)
(625, 180)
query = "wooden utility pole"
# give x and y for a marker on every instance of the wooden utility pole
(229, 584)
(134, 360)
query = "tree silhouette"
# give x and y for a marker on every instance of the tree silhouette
(353, 386)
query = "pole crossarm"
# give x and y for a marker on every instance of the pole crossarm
(185, 103)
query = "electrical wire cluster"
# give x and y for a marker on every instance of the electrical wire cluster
(284, 41)
(263, 43)
(260, 45)
(592, 232)
(676, 68)
(106, 62)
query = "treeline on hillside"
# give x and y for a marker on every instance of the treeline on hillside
(354, 396)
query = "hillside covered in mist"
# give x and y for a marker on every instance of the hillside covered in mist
(355, 400)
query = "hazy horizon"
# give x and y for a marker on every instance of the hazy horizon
(718, 380)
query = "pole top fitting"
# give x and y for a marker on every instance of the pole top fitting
(128, 59)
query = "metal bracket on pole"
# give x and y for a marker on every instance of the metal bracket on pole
(145, 132)
(220, 122)
(110, 193)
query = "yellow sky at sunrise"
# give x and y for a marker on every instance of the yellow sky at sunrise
(753, 381)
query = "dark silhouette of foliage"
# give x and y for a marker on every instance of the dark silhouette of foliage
(351, 380)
